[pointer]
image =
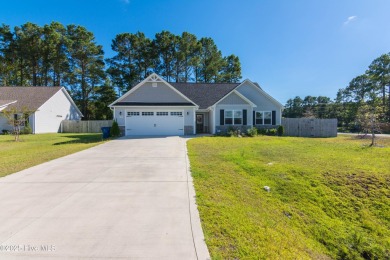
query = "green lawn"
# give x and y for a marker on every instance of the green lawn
(35, 149)
(329, 198)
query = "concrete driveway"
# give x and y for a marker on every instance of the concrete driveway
(128, 198)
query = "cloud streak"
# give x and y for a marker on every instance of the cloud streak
(350, 19)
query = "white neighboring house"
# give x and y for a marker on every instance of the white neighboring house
(49, 106)
(157, 107)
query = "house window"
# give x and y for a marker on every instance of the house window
(161, 113)
(132, 113)
(147, 113)
(259, 118)
(263, 117)
(267, 118)
(176, 113)
(233, 117)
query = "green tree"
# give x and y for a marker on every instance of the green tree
(379, 71)
(133, 61)
(86, 66)
(29, 43)
(104, 96)
(17, 119)
(165, 44)
(7, 65)
(231, 69)
(54, 54)
(211, 61)
(368, 120)
(294, 108)
(188, 49)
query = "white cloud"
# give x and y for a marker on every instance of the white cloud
(350, 19)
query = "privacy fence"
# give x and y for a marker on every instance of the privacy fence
(78, 126)
(310, 127)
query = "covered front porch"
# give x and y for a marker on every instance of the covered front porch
(203, 122)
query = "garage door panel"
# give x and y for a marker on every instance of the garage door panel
(158, 122)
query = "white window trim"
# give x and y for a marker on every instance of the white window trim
(242, 119)
(263, 117)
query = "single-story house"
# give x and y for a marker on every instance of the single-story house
(157, 107)
(48, 107)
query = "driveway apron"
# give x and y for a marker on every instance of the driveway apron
(129, 198)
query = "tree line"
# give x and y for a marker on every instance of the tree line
(366, 93)
(68, 55)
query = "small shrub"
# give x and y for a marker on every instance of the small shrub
(272, 132)
(5, 132)
(262, 131)
(252, 131)
(233, 132)
(27, 129)
(115, 131)
(280, 130)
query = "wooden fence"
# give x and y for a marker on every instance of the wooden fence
(310, 127)
(78, 126)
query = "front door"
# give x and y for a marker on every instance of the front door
(199, 123)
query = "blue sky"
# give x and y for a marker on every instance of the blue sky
(300, 47)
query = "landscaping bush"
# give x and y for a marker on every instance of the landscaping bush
(252, 131)
(234, 132)
(261, 131)
(280, 130)
(115, 131)
(272, 132)
(27, 129)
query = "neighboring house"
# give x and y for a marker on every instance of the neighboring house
(49, 106)
(156, 107)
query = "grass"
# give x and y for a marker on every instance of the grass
(329, 198)
(36, 149)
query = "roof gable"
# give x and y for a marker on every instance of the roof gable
(205, 95)
(260, 90)
(235, 98)
(30, 98)
(153, 91)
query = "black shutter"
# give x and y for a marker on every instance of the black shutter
(244, 119)
(221, 117)
(254, 118)
(274, 117)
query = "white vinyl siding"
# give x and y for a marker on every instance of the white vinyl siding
(262, 102)
(160, 93)
(49, 116)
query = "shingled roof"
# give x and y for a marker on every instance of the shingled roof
(30, 98)
(205, 94)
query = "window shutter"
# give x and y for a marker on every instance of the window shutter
(254, 118)
(244, 117)
(221, 117)
(273, 117)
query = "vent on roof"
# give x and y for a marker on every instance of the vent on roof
(154, 84)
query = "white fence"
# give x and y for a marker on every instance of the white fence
(78, 126)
